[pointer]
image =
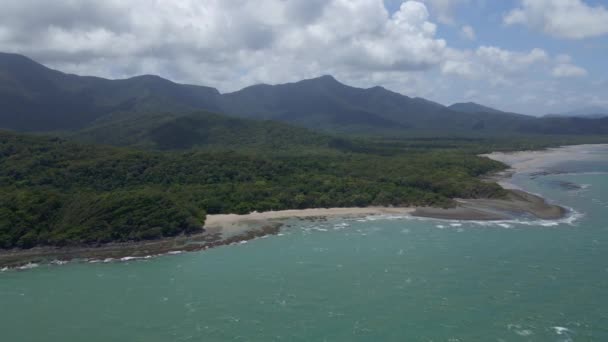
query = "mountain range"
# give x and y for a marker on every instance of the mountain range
(37, 98)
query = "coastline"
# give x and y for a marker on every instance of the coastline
(220, 230)
(226, 229)
(517, 203)
(233, 223)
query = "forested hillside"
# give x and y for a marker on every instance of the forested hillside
(195, 130)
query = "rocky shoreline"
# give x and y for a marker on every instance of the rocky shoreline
(517, 203)
(211, 238)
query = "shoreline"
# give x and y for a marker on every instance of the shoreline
(227, 229)
(517, 204)
(220, 230)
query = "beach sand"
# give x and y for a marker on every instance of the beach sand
(234, 224)
(542, 160)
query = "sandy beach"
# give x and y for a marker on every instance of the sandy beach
(234, 224)
(542, 160)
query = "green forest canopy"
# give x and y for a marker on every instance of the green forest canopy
(56, 192)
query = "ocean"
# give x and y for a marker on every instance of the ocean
(379, 278)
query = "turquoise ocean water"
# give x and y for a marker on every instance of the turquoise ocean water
(366, 279)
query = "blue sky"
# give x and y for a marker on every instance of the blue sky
(487, 19)
(526, 56)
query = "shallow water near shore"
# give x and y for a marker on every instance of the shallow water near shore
(385, 278)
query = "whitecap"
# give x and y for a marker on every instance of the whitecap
(28, 266)
(561, 330)
(59, 262)
(524, 332)
(128, 258)
(343, 225)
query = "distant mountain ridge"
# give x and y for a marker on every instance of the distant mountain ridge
(472, 107)
(586, 112)
(36, 98)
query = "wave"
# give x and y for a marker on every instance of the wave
(571, 219)
(578, 173)
(27, 266)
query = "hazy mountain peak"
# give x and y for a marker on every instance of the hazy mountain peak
(327, 78)
(324, 80)
(472, 107)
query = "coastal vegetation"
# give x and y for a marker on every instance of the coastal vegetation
(58, 192)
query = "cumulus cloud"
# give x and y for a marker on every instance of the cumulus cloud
(564, 67)
(570, 19)
(568, 70)
(225, 43)
(491, 62)
(444, 9)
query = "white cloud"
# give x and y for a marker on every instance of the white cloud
(223, 43)
(509, 61)
(444, 9)
(568, 70)
(491, 63)
(467, 32)
(564, 67)
(570, 19)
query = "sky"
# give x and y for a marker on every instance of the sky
(526, 56)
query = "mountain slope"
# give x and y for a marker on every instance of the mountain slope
(472, 107)
(318, 103)
(170, 131)
(36, 98)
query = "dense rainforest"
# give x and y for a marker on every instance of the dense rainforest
(57, 192)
